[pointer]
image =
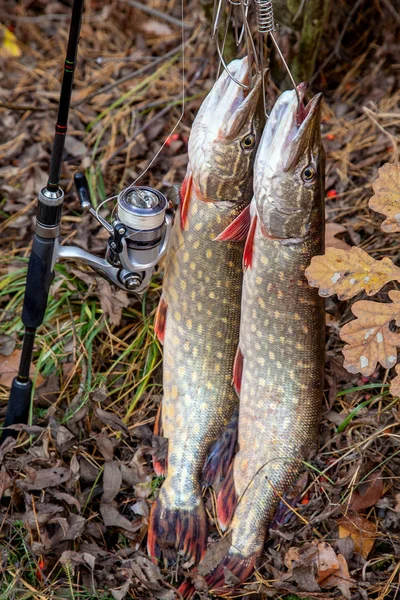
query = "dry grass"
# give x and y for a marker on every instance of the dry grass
(97, 353)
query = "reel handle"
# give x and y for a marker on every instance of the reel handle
(82, 189)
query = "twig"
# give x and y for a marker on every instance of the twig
(156, 13)
(371, 116)
(141, 129)
(392, 10)
(338, 43)
(41, 18)
(129, 76)
(20, 106)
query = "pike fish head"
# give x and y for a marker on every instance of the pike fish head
(289, 170)
(225, 136)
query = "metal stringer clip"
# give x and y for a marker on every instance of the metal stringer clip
(238, 13)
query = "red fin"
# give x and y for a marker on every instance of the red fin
(226, 500)
(173, 530)
(186, 192)
(161, 317)
(238, 371)
(220, 456)
(233, 562)
(248, 249)
(160, 463)
(238, 229)
(187, 589)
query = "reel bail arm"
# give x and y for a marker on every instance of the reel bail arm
(138, 237)
(42, 259)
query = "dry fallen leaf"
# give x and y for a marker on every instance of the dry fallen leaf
(327, 561)
(316, 565)
(368, 493)
(369, 338)
(9, 369)
(387, 196)
(112, 301)
(8, 44)
(44, 478)
(340, 579)
(346, 273)
(112, 481)
(331, 241)
(362, 532)
(113, 518)
(395, 383)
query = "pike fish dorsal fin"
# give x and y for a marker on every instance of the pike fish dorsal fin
(238, 229)
(248, 249)
(186, 192)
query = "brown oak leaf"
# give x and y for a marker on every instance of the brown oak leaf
(369, 338)
(346, 273)
(395, 383)
(331, 241)
(9, 369)
(368, 492)
(362, 532)
(387, 196)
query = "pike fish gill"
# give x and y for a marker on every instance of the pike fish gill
(280, 360)
(199, 313)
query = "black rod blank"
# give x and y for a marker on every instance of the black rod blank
(41, 268)
(65, 97)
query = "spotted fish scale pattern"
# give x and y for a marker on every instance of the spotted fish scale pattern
(199, 314)
(281, 387)
(202, 291)
(280, 360)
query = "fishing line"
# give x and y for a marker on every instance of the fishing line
(265, 26)
(183, 101)
(266, 464)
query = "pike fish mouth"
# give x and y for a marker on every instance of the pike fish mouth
(288, 128)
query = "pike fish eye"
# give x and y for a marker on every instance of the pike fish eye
(248, 142)
(308, 174)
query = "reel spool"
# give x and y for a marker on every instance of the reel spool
(138, 237)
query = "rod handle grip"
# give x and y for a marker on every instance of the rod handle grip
(18, 407)
(38, 280)
(82, 189)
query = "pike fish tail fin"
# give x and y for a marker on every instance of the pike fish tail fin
(160, 464)
(233, 562)
(177, 530)
(221, 454)
(226, 500)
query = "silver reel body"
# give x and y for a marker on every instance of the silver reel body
(138, 237)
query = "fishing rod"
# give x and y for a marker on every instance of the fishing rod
(138, 238)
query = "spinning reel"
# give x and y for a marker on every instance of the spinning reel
(138, 236)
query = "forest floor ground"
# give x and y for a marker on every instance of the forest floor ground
(76, 486)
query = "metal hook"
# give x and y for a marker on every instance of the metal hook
(238, 12)
(265, 26)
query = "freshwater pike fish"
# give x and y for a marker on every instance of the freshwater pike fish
(198, 316)
(280, 360)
